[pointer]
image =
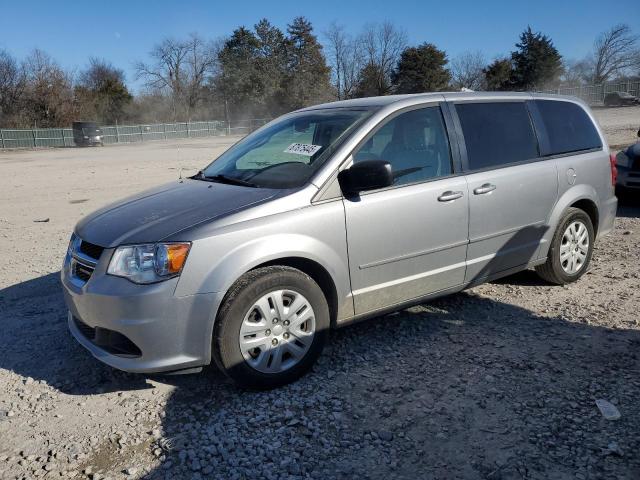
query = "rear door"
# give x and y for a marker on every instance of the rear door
(410, 239)
(512, 190)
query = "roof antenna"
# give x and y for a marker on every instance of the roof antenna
(180, 175)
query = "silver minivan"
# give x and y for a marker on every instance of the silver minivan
(333, 214)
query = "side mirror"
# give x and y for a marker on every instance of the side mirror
(367, 175)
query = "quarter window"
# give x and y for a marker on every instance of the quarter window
(497, 133)
(568, 127)
(415, 143)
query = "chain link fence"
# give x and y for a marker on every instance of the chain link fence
(63, 137)
(594, 94)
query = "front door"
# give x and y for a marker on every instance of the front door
(410, 239)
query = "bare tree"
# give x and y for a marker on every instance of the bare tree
(201, 60)
(12, 86)
(49, 100)
(615, 52)
(345, 59)
(382, 45)
(166, 70)
(337, 41)
(180, 68)
(467, 71)
(576, 72)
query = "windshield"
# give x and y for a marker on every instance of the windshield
(288, 152)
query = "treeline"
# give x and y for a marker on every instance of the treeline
(264, 71)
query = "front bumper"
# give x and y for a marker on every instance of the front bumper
(171, 333)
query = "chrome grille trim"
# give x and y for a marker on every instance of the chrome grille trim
(82, 258)
(81, 263)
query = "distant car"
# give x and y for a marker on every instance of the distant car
(86, 134)
(617, 99)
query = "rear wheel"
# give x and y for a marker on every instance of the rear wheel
(571, 249)
(271, 327)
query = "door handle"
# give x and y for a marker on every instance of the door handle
(449, 196)
(486, 188)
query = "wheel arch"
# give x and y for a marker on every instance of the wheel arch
(583, 197)
(590, 208)
(318, 273)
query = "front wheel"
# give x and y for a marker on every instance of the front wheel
(271, 327)
(571, 249)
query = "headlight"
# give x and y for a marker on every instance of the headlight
(149, 263)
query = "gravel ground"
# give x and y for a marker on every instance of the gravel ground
(620, 124)
(496, 382)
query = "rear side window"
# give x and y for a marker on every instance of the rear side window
(497, 133)
(568, 126)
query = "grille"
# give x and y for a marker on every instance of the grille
(82, 271)
(85, 257)
(91, 250)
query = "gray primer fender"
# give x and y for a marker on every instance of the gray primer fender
(568, 198)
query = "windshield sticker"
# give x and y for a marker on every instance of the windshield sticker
(303, 149)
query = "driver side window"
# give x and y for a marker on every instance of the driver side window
(415, 143)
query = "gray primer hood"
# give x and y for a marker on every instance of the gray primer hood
(156, 214)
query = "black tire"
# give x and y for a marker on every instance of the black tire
(239, 299)
(552, 270)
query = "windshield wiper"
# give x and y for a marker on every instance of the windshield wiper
(224, 179)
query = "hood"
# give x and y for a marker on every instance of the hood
(156, 214)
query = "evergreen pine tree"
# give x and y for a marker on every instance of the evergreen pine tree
(422, 69)
(536, 62)
(308, 79)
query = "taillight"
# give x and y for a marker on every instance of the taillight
(614, 169)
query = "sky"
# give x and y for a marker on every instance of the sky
(124, 31)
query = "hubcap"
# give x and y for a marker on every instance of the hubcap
(574, 247)
(277, 331)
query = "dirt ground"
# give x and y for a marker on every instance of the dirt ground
(497, 382)
(620, 124)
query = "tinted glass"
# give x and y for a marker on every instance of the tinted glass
(288, 152)
(415, 143)
(497, 133)
(568, 126)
